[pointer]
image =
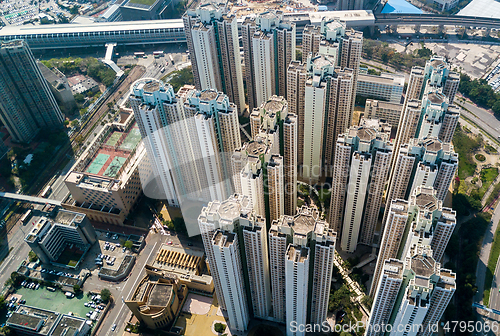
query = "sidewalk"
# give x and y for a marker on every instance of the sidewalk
(483, 258)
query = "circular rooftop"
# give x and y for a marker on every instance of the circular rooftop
(207, 95)
(147, 84)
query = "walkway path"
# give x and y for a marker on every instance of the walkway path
(353, 285)
(485, 255)
(490, 190)
(29, 199)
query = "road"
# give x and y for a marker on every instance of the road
(481, 274)
(119, 312)
(485, 254)
(481, 117)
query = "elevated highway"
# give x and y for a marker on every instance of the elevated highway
(172, 31)
(435, 19)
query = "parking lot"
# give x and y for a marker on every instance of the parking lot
(80, 305)
(15, 12)
(107, 252)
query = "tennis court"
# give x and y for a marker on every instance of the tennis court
(97, 164)
(113, 139)
(114, 166)
(132, 139)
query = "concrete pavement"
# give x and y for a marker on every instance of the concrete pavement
(481, 274)
(485, 254)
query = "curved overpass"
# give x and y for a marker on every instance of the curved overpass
(435, 19)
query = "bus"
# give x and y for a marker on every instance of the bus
(139, 54)
(171, 59)
(158, 54)
(45, 193)
(26, 217)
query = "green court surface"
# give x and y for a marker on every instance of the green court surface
(113, 139)
(114, 166)
(97, 164)
(132, 139)
(55, 301)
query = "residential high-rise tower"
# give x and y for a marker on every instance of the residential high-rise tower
(268, 47)
(212, 39)
(360, 172)
(27, 105)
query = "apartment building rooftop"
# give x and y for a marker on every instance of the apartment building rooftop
(447, 279)
(306, 220)
(223, 239)
(423, 265)
(208, 95)
(436, 98)
(448, 216)
(321, 61)
(399, 206)
(432, 144)
(274, 105)
(256, 148)
(425, 198)
(297, 253)
(393, 268)
(417, 70)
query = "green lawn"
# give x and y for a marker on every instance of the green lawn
(465, 145)
(142, 2)
(491, 149)
(180, 77)
(492, 263)
(488, 175)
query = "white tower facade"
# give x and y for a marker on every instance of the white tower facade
(227, 258)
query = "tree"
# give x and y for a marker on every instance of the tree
(105, 295)
(77, 289)
(219, 327)
(75, 123)
(298, 54)
(32, 256)
(367, 301)
(341, 298)
(128, 244)
(74, 9)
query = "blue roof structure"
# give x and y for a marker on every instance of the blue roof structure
(401, 7)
